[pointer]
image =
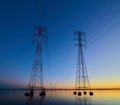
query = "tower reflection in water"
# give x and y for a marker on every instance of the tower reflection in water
(32, 101)
(83, 100)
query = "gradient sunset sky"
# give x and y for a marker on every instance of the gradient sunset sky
(99, 19)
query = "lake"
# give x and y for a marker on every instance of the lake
(60, 97)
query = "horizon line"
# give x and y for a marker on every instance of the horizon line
(61, 89)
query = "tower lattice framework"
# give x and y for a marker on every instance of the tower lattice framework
(82, 80)
(36, 78)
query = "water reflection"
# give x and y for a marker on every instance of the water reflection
(60, 97)
(41, 99)
(32, 101)
(83, 100)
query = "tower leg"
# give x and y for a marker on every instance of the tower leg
(43, 92)
(91, 93)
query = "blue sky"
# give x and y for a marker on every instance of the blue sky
(99, 19)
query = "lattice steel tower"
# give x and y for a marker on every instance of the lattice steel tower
(82, 80)
(36, 78)
(40, 37)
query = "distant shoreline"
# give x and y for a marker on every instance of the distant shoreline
(62, 89)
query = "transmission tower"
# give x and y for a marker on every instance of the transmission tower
(82, 80)
(40, 37)
(36, 78)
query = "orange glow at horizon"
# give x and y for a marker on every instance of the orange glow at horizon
(96, 85)
(68, 85)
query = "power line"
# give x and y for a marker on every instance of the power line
(40, 6)
(116, 13)
(43, 12)
(103, 34)
(104, 15)
(88, 26)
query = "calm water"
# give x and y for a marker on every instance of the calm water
(60, 97)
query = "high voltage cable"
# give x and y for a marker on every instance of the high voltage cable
(108, 21)
(43, 14)
(87, 26)
(41, 10)
(104, 33)
(104, 15)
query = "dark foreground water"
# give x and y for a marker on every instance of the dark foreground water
(60, 97)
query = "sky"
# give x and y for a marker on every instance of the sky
(99, 19)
